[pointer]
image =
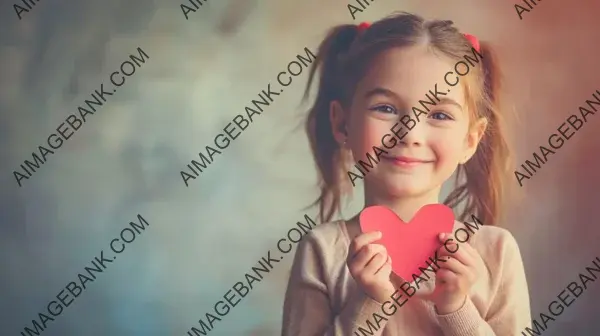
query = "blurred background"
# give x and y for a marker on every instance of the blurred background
(202, 72)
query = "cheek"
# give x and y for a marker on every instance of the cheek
(373, 131)
(449, 148)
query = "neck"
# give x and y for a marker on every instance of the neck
(405, 207)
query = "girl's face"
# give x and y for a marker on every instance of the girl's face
(429, 153)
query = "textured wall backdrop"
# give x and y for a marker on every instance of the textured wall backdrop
(201, 72)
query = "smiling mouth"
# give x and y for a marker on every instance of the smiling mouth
(403, 161)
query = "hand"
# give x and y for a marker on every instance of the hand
(457, 273)
(370, 266)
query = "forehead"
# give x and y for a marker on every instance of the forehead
(411, 72)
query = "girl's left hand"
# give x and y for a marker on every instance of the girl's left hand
(457, 273)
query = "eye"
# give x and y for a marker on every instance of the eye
(440, 116)
(384, 109)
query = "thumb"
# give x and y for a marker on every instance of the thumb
(396, 280)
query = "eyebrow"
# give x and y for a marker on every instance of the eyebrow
(449, 101)
(382, 91)
(389, 93)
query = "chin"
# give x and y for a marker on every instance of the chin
(406, 190)
(405, 186)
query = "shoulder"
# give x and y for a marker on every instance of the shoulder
(327, 240)
(327, 234)
(496, 245)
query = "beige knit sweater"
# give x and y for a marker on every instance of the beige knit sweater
(322, 298)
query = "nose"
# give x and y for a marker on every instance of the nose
(414, 136)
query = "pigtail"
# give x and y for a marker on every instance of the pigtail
(325, 149)
(486, 172)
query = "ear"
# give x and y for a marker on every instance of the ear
(339, 122)
(474, 136)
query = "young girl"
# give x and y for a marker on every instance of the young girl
(371, 77)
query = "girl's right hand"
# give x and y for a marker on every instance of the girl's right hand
(370, 266)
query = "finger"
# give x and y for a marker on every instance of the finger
(448, 242)
(446, 276)
(375, 264)
(443, 253)
(367, 253)
(449, 247)
(444, 236)
(464, 257)
(471, 251)
(461, 255)
(360, 241)
(396, 280)
(455, 266)
(386, 268)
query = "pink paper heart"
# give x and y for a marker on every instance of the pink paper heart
(408, 244)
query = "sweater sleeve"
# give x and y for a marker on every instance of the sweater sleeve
(307, 309)
(509, 312)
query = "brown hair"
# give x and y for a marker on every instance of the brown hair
(343, 59)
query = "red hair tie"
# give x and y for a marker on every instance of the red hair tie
(473, 40)
(363, 26)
